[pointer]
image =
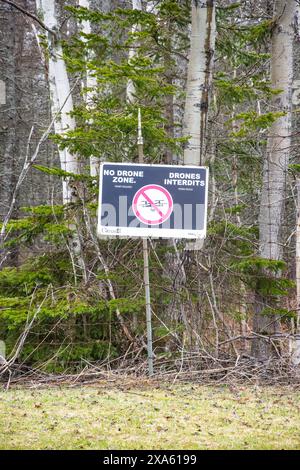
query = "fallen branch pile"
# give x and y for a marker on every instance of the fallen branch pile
(189, 367)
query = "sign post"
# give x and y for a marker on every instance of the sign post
(140, 144)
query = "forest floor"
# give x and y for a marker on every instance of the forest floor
(150, 416)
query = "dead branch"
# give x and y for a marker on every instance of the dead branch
(7, 365)
(30, 15)
(26, 167)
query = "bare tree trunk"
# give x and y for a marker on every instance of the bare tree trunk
(298, 255)
(295, 340)
(62, 103)
(295, 343)
(199, 80)
(198, 91)
(61, 96)
(91, 83)
(130, 89)
(275, 167)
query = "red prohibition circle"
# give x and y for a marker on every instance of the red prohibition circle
(142, 192)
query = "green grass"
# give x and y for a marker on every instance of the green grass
(179, 417)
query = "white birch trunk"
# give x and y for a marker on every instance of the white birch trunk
(279, 140)
(62, 103)
(60, 91)
(276, 161)
(199, 80)
(130, 89)
(91, 83)
(298, 254)
(295, 340)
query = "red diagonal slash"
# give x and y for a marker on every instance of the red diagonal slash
(152, 203)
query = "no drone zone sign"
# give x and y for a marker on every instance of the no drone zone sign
(142, 200)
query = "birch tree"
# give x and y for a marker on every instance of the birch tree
(91, 83)
(199, 80)
(295, 340)
(62, 107)
(130, 89)
(198, 88)
(60, 92)
(275, 168)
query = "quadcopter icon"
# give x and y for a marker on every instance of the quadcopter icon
(156, 202)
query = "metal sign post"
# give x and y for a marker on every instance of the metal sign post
(140, 144)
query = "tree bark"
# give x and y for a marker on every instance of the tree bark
(295, 340)
(91, 84)
(275, 167)
(62, 103)
(61, 96)
(199, 80)
(130, 89)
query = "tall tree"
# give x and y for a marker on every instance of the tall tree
(295, 340)
(60, 91)
(90, 82)
(199, 80)
(274, 177)
(130, 89)
(62, 107)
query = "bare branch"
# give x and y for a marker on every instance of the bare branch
(26, 167)
(31, 15)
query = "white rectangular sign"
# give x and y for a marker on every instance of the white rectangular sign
(142, 200)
